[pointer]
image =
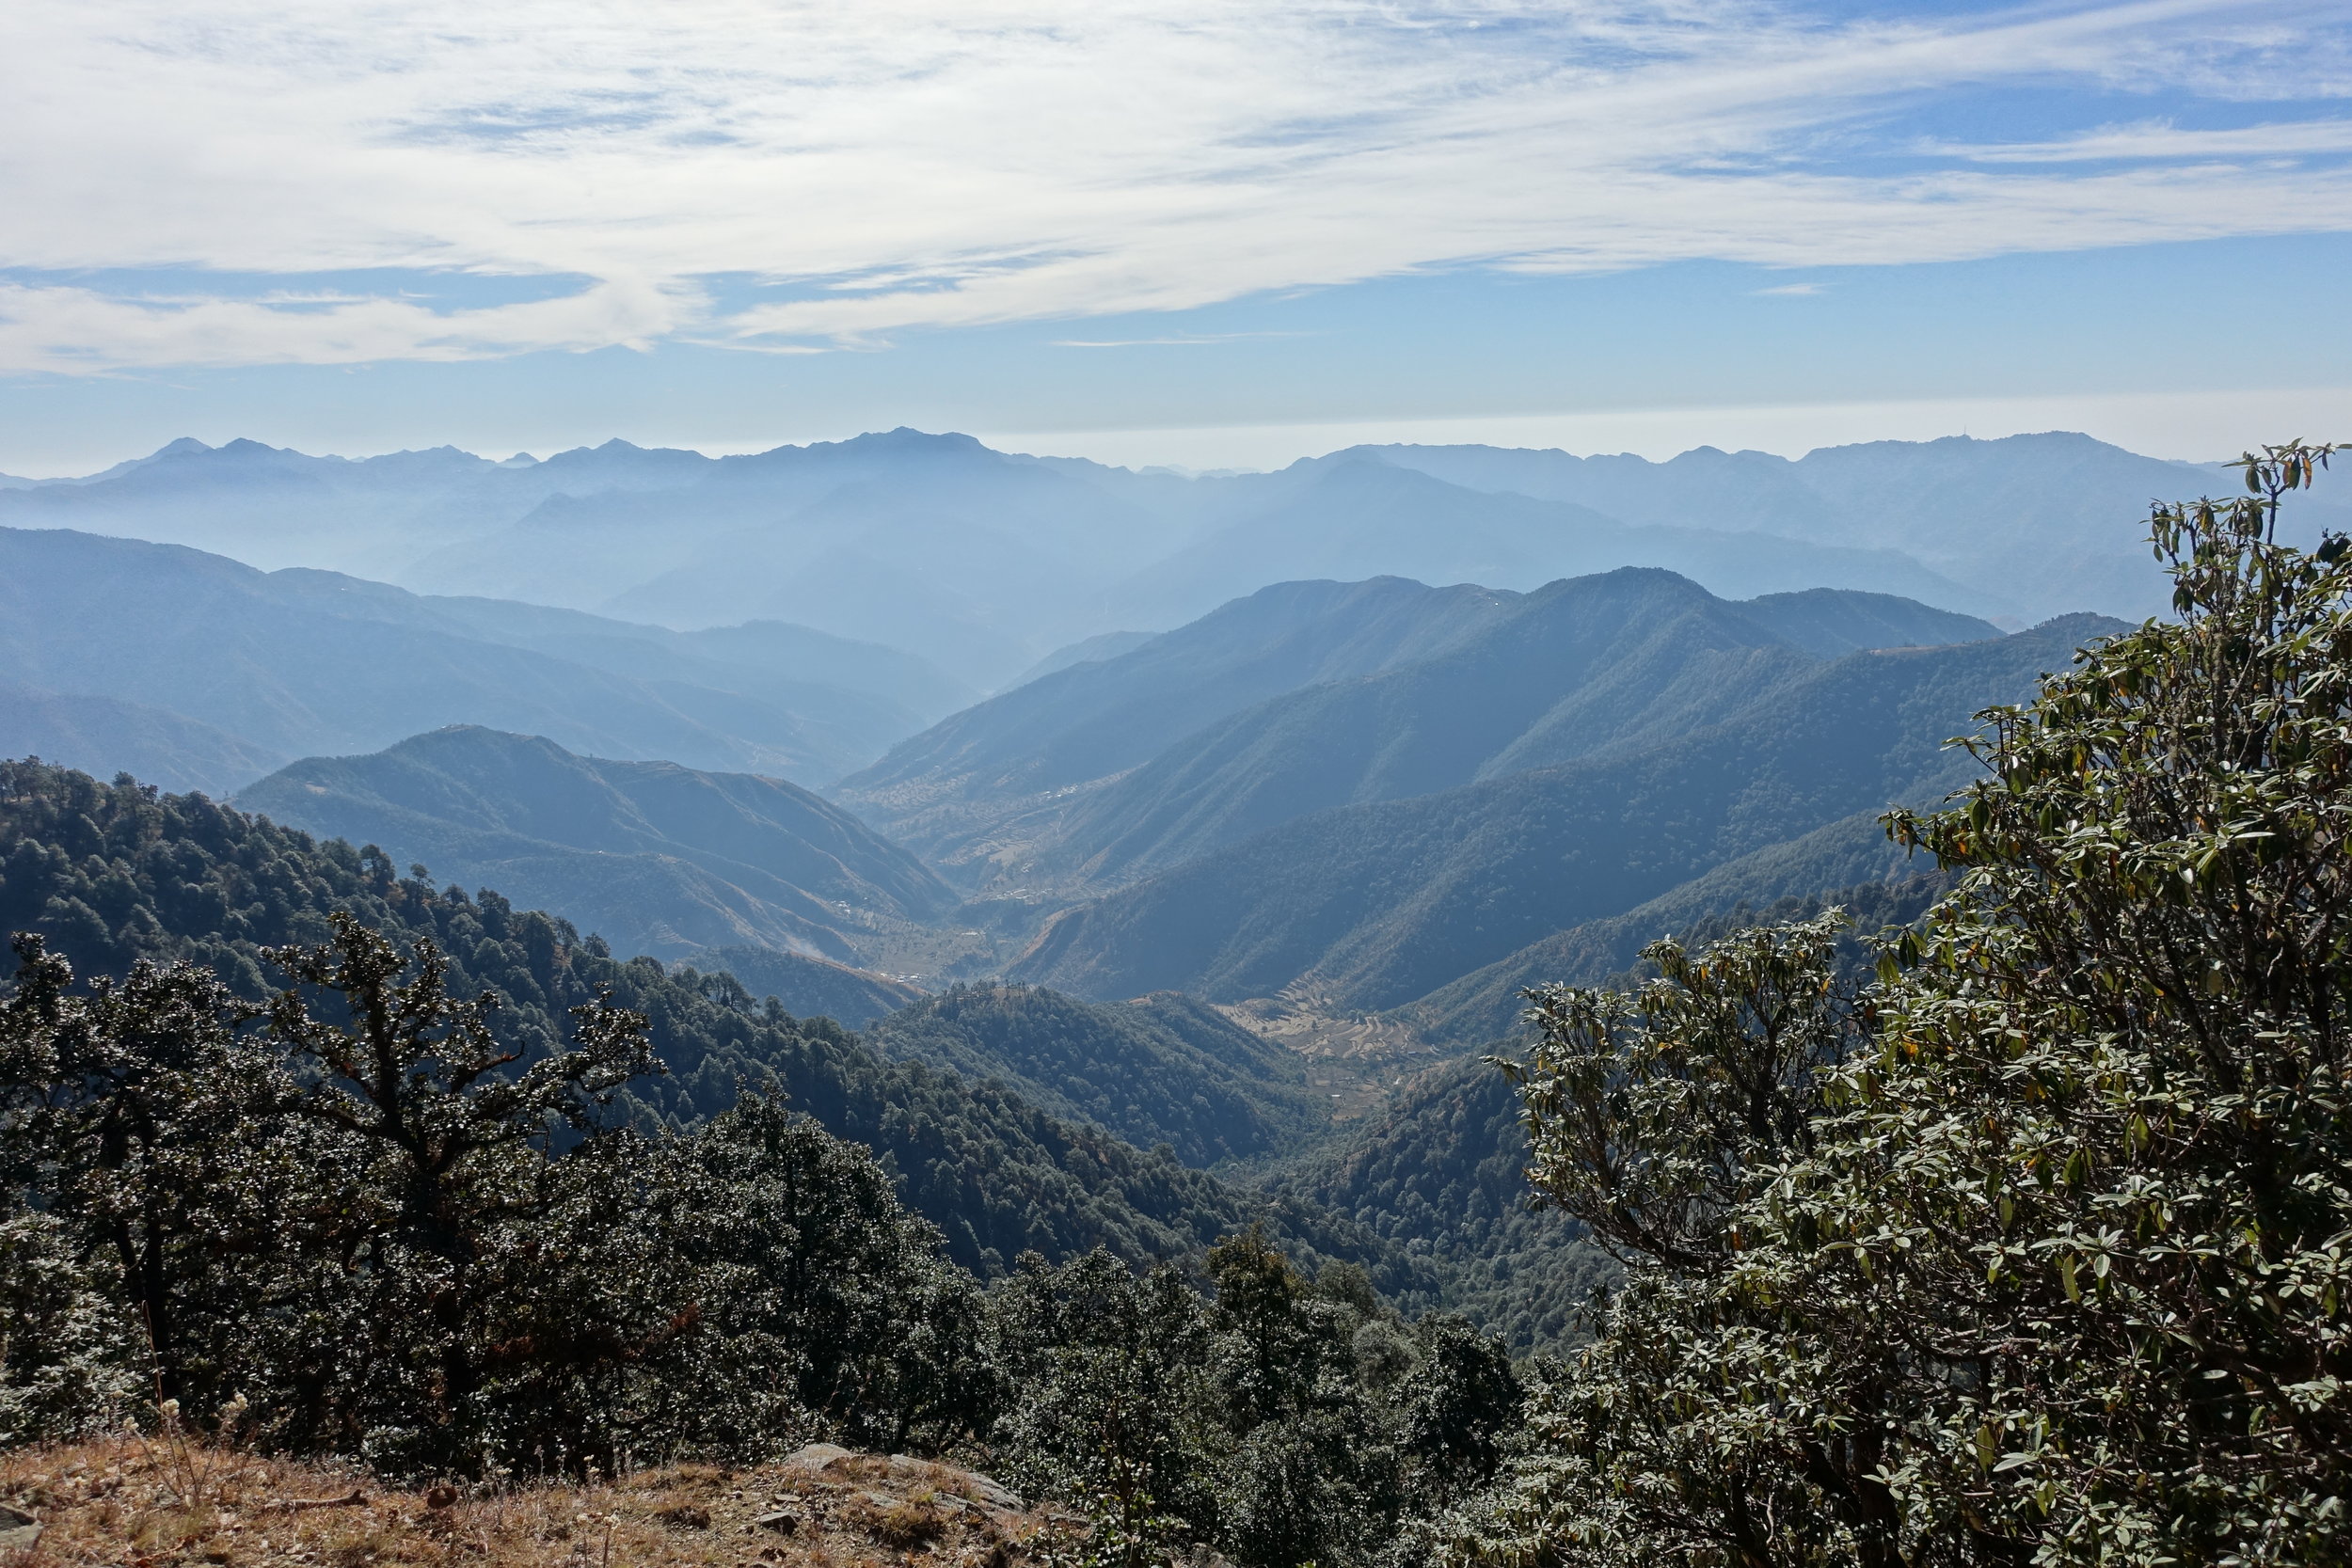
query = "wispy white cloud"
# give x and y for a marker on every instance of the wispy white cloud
(72, 329)
(913, 164)
(2152, 139)
(1792, 290)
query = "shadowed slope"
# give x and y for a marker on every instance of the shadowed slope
(659, 857)
(1579, 668)
(962, 779)
(1380, 904)
(1164, 1070)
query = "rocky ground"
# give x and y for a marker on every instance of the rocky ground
(133, 1503)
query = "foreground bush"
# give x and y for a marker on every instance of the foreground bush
(2040, 1250)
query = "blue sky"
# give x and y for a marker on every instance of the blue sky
(1181, 231)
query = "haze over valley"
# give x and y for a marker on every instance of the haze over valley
(1353, 750)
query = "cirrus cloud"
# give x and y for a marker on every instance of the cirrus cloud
(908, 164)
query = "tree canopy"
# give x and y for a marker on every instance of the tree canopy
(2034, 1250)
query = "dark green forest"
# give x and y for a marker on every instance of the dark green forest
(432, 1182)
(111, 875)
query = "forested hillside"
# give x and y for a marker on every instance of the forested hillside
(1583, 667)
(1160, 1070)
(804, 985)
(962, 783)
(1442, 1171)
(658, 858)
(112, 874)
(1849, 863)
(1308, 695)
(435, 1237)
(1923, 1178)
(1382, 904)
(2030, 1250)
(107, 736)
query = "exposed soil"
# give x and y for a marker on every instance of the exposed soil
(1357, 1059)
(148, 1503)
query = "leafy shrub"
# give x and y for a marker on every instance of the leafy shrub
(2041, 1249)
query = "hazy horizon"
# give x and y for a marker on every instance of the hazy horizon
(1132, 449)
(1181, 232)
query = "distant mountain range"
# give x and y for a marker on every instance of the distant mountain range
(1309, 696)
(1421, 710)
(1432, 725)
(654, 857)
(988, 563)
(2041, 524)
(249, 669)
(1366, 794)
(1373, 906)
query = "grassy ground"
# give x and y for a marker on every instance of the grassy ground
(133, 1503)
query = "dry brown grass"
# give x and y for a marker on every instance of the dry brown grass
(140, 1503)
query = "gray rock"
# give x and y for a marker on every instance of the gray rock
(995, 1493)
(948, 1477)
(19, 1531)
(816, 1456)
(783, 1521)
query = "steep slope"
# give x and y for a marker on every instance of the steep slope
(1381, 904)
(1355, 517)
(975, 775)
(1576, 669)
(178, 876)
(1829, 622)
(809, 988)
(1849, 863)
(1442, 1172)
(1442, 1169)
(107, 736)
(302, 661)
(1163, 1071)
(1089, 650)
(658, 858)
